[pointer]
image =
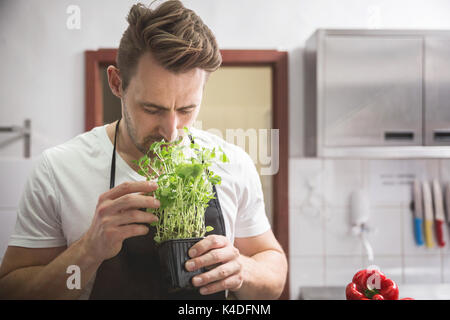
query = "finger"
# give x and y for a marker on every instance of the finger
(133, 230)
(232, 283)
(133, 201)
(133, 216)
(221, 272)
(129, 187)
(212, 257)
(212, 241)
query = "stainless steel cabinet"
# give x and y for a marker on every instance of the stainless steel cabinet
(437, 91)
(377, 93)
(372, 91)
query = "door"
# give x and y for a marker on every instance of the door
(237, 106)
(372, 91)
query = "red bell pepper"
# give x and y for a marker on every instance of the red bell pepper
(371, 284)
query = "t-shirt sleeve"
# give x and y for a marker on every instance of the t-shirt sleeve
(251, 218)
(38, 223)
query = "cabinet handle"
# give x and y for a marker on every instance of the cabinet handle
(442, 135)
(399, 135)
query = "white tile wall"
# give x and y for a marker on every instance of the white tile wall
(339, 270)
(306, 271)
(306, 182)
(423, 268)
(306, 233)
(322, 250)
(386, 221)
(445, 170)
(340, 179)
(339, 240)
(446, 268)
(389, 181)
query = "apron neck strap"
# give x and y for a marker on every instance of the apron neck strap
(113, 160)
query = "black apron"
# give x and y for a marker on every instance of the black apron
(134, 272)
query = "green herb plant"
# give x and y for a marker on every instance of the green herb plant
(184, 186)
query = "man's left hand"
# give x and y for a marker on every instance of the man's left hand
(211, 251)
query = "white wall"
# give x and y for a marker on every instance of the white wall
(43, 79)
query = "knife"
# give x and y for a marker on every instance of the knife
(439, 213)
(428, 214)
(447, 204)
(418, 213)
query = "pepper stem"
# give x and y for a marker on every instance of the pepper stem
(370, 293)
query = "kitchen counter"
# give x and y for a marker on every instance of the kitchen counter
(416, 291)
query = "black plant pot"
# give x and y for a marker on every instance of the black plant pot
(173, 255)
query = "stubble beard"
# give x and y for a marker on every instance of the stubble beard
(131, 130)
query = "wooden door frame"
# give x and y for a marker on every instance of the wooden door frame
(278, 61)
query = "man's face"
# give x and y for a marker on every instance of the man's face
(158, 103)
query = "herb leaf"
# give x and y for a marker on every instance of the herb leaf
(184, 186)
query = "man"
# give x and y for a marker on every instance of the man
(68, 217)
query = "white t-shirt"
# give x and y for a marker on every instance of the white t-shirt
(61, 194)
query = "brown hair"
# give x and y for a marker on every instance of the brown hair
(175, 35)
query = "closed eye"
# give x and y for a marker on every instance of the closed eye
(185, 111)
(151, 111)
(154, 109)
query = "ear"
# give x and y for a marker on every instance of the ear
(114, 80)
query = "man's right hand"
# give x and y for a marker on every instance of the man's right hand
(115, 219)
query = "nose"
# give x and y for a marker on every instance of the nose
(168, 126)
